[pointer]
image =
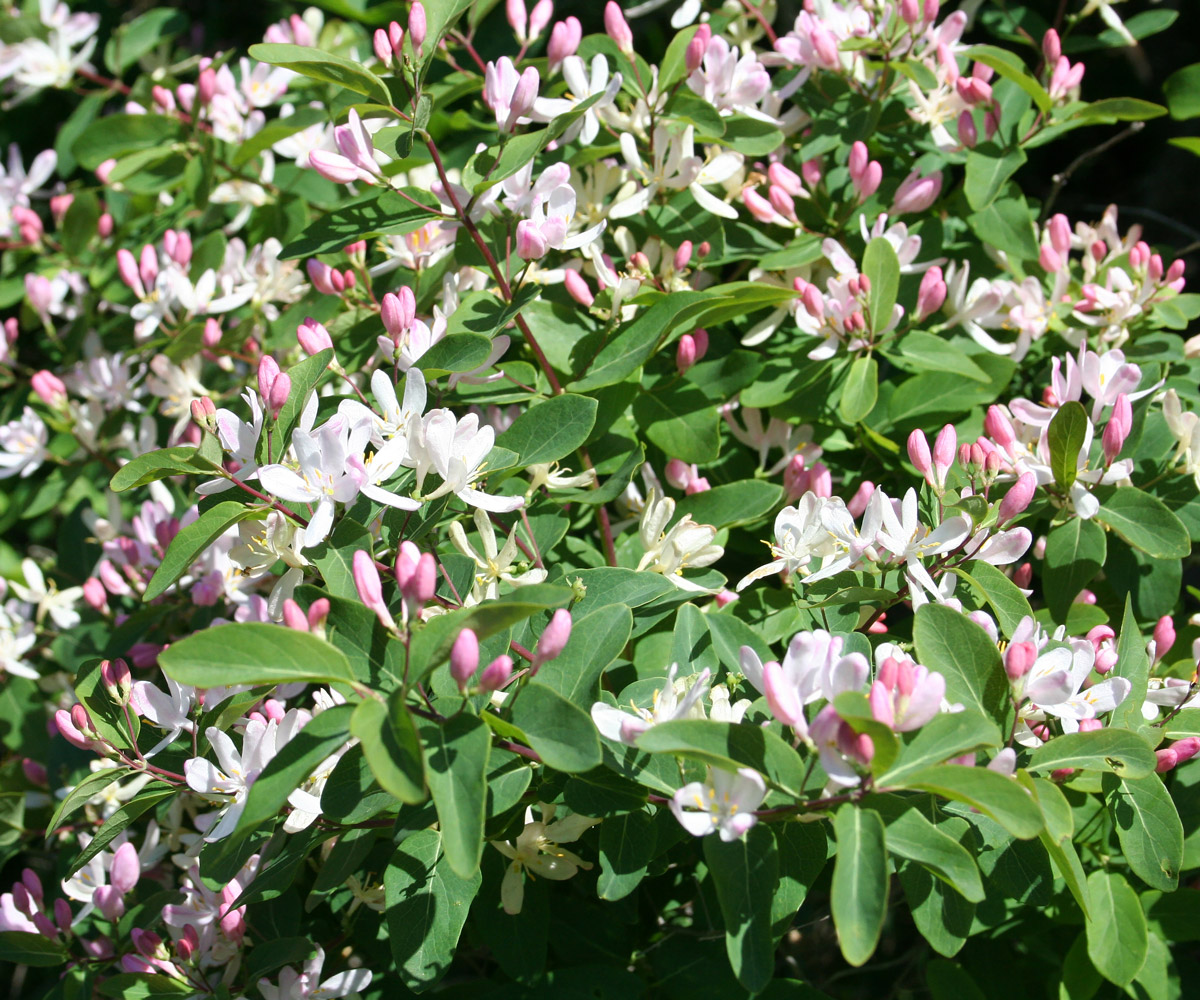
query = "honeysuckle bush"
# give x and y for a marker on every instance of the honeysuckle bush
(495, 508)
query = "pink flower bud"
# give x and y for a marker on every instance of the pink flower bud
(313, 337)
(268, 372)
(117, 680)
(383, 47)
(932, 293)
(293, 617)
(1017, 499)
(104, 226)
(1019, 658)
(700, 337)
(973, 90)
(694, 54)
(553, 639)
(281, 388)
(918, 452)
(683, 255)
(968, 133)
(395, 36)
(146, 942)
(1060, 233)
(1164, 637)
(780, 176)
(810, 170)
(1090, 725)
(857, 504)
(539, 17)
(523, 97)
(1051, 47)
(910, 11)
(685, 354)
(514, 10)
(464, 654)
(339, 170)
(565, 37)
(370, 590)
(917, 193)
(148, 265)
(1049, 259)
(69, 731)
(1167, 760)
(678, 473)
(109, 902)
(206, 86)
(321, 276)
(825, 45)
(1186, 748)
(317, 613)
(421, 584)
(126, 868)
(577, 288)
(59, 204)
(127, 268)
(496, 674)
(782, 202)
(49, 388)
(859, 158)
(618, 28)
(531, 243)
(698, 485)
(724, 598)
(1023, 575)
(1116, 431)
(417, 26)
(1106, 659)
(211, 337)
(95, 594)
(104, 170)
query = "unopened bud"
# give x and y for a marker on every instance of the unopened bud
(118, 682)
(577, 288)
(313, 337)
(417, 26)
(49, 388)
(1019, 658)
(1164, 637)
(1018, 497)
(370, 590)
(694, 54)
(464, 658)
(618, 28)
(685, 354)
(553, 639)
(496, 674)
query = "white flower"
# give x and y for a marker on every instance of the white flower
(391, 419)
(171, 711)
(325, 475)
(456, 449)
(684, 545)
(240, 441)
(906, 538)
(23, 445)
(236, 772)
(537, 850)
(581, 87)
(625, 727)
(295, 985)
(799, 538)
(495, 565)
(675, 167)
(724, 802)
(49, 600)
(15, 642)
(1054, 686)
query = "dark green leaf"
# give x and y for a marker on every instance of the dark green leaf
(456, 756)
(563, 734)
(746, 874)
(550, 430)
(253, 653)
(192, 541)
(860, 882)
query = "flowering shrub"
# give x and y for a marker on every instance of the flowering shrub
(484, 508)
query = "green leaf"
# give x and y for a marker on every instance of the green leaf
(486, 313)
(1120, 751)
(988, 169)
(1009, 65)
(854, 707)
(1149, 829)
(962, 652)
(629, 349)
(911, 835)
(942, 915)
(929, 352)
(1117, 937)
(120, 820)
(1066, 435)
(456, 756)
(682, 422)
(253, 653)
(882, 266)
(294, 763)
(456, 352)
(860, 882)
(994, 795)
(391, 745)
(750, 136)
(1118, 109)
(1004, 597)
(1146, 523)
(733, 504)
(83, 791)
(563, 734)
(627, 846)
(427, 905)
(730, 747)
(155, 465)
(24, 948)
(1007, 224)
(1075, 553)
(143, 986)
(861, 389)
(1182, 91)
(745, 873)
(1133, 663)
(325, 67)
(133, 40)
(551, 430)
(949, 734)
(373, 215)
(597, 639)
(192, 541)
(114, 136)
